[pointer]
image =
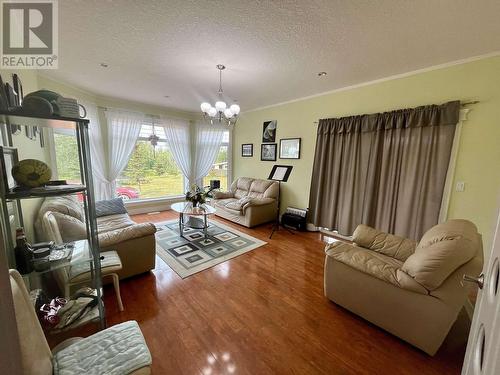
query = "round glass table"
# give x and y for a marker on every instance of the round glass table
(193, 217)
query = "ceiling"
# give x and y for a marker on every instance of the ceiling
(273, 50)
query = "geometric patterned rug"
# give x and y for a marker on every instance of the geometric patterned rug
(195, 253)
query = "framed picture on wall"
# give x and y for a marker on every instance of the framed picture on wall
(290, 148)
(247, 150)
(269, 131)
(8, 158)
(268, 151)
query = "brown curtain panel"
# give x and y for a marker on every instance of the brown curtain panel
(386, 170)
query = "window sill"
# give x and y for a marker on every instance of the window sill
(143, 206)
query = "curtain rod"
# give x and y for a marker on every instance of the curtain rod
(472, 102)
(128, 110)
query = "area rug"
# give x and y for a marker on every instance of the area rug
(194, 253)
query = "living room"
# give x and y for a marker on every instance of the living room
(250, 187)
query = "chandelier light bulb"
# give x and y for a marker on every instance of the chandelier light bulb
(228, 113)
(205, 107)
(235, 108)
(212, 112)
(220, 106)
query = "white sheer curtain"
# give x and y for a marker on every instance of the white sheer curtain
(102, 188)
(123, 131)
(208, 139)
(177, 134)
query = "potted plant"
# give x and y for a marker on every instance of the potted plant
(198, 195)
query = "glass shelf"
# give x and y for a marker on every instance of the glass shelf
(47, 191)
(24, 119)
(91, 317)
(79, 258)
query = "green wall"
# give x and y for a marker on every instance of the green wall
(478, 163)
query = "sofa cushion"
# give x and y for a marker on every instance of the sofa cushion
(259, 188)
(114, 237)
(385, 243)
(241, 187)
(70, 228)
(110, 207)
(238, 205)
(222, 194)
(442, 249)
(113, 222)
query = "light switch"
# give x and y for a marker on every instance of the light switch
(460, 186)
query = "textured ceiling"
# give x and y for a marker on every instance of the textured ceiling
(273, 50)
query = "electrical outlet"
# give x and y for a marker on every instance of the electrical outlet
(460, 186)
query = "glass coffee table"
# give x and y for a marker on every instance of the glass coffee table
(193, 217)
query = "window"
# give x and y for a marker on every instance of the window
(150, 172)
(66, 156)
(220, 167)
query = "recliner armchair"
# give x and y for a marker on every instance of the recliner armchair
(411, 290)
(61, 219)
(248, 202)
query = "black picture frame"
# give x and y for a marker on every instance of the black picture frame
(287, 154)
(8, 158)
(269, 131)
(265, 148)
(247, 150)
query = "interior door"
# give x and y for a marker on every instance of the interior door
(483, 349)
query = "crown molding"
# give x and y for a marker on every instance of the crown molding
(380, 80)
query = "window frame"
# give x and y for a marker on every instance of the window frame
(229, 145)
(165, 197)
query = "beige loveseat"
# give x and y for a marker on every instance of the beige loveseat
(411, 290)
(248, 202)
(61, 219)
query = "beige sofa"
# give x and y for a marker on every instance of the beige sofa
(62, 220)
(248, 202)
(412, 290)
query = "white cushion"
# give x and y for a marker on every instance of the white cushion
(118, 350)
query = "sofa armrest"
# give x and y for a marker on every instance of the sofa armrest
(388, 244)
(369, 262)
(222, 194)
(255, 202)
(124, 234)
(259, 202)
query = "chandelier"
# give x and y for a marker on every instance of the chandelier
(220, 113)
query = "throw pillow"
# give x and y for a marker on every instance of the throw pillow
(110, 207)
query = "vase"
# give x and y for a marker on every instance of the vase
(195, 204)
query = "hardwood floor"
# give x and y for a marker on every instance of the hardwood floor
(264, 312)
